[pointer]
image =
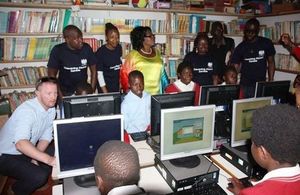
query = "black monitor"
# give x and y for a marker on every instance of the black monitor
(92, 105)
(162, 101)
(222, 96)
(219, 94)
(279, 90)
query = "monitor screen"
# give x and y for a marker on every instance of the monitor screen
(186, 131)
(220, 95)
(78, 139)
(162, 101)
(91, 105)
(279, 90)
(242, 118)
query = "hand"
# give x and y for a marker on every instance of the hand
(235, 186)
(51, 161)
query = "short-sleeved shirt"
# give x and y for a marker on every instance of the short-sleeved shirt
(219, 53)
(136, 112)
(109, 62)
(252, 56)
(30, 121)
(72, 65)
(204, 67)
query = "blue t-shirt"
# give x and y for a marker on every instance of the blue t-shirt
(72, 65)
(204, 67)
(109, 62)
(253, 59)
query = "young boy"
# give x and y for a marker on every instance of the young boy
(83, 88)
(275, 146)
(230, 76)
(136, 104)
(184, 82)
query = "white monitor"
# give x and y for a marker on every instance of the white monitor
(186, 131)
(78, 139)
(242, 111)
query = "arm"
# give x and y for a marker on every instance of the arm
(93, 76)
(28, 149)
(215, 79)
(101, 81)
(271, 68)
(125, 69)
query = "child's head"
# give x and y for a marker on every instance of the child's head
(201, 43)
(136, 82)
(230, 75)
(185, 72)
(296, 83)
(83, 88)
(275, 136)
(112, 35)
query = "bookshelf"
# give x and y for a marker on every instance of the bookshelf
(287, 67)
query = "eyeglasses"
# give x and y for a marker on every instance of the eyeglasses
(150, 36)
(45, 80)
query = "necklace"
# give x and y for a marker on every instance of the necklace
(145, 52)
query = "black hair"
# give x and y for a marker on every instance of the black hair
(135, 74)
(137, 36)
(252, 21)
(110, 27)
(68, 30)
(83, 86)
(215, 25)
(230, 69)
(296, 80)
(46, 79)
(277, 129)
(200, 35)
(182, 66)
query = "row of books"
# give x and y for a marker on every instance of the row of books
(28, 21)
(16, 98)
(27, 75)
(22, 48)
(290, 27)
(181, 46)
(286, 62)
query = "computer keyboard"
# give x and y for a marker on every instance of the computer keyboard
(139, 136)
(207, 189)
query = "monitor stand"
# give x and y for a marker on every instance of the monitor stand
(187, 162)
(85, 181)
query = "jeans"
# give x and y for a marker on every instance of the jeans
(29, 177)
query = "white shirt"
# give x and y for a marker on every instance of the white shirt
(125, 190)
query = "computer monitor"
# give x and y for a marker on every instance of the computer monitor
(162, 101)
(219, 95)
(222, 96)
(186, 132)
(92, 105)
(242, 118)
(78, 139)
(279, 90)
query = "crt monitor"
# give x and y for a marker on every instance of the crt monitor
(78, 139)
(92, 105)
(172, 100)
(242, 118)
(279, 90)
(186, 132)
(222, 96)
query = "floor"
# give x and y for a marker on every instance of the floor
(47, 190)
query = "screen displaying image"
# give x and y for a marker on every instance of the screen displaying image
(186, 131)
(242, 118)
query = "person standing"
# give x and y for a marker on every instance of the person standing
(70, 60)
(109, 60)
(253, 57)
(220, 47)
(145, 58)
(204, 65)
(25, 137)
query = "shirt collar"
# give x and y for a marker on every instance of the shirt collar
(279, 173)
(184, 87)
(129, 189)
(214, 41)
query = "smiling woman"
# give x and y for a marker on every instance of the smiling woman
(145, 58)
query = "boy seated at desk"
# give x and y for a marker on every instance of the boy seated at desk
(136, 105)
(275, 146)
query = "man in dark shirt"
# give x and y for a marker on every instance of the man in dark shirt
(71, 60)
(253, 57)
